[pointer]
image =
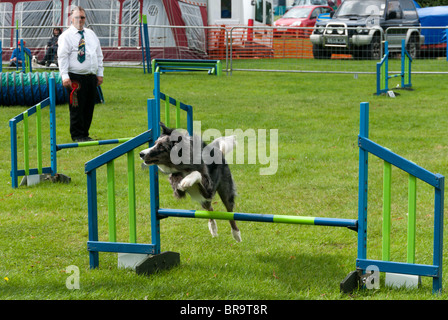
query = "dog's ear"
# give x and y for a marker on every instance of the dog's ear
(165, 129)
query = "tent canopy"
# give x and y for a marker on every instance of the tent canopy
(116, 23)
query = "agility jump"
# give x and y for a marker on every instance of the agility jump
(382, 70)
(157, 259)
(41, 172)
(213, 67)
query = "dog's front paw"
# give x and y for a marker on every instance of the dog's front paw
(189, 180)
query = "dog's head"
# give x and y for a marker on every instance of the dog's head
(160, 153)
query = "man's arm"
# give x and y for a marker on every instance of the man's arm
(99, 55)
(13, 55)
(63, 61)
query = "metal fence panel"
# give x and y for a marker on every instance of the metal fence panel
(254, 48)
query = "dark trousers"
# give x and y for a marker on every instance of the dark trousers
(81, 115)
(50, 54)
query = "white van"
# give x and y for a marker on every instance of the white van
(240, 12)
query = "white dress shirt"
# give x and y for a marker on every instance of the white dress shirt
(68, 53)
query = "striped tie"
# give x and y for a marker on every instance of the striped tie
(81, 47)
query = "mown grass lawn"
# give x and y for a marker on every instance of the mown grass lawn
(43, 229)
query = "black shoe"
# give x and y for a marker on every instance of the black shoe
(81, 139)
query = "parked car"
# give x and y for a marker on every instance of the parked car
(357, 25)
(313, 3)
(300, 16)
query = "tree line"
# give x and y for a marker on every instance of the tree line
(432, 3)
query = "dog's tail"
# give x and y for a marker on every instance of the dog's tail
(224, 144)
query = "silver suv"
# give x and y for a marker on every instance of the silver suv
(357, 28)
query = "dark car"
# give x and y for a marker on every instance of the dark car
(357, 28)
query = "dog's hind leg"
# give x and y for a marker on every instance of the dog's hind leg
(236, 233)
(212, 226)
(228, 198)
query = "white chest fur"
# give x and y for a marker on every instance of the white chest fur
(166, 169)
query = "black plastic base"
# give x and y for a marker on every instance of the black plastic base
(154, 263)
(351, 282)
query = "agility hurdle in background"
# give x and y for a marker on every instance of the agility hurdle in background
(382, 70)
(179, 65)
(41, 172)
(154, 259)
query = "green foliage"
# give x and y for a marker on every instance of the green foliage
(432, 3)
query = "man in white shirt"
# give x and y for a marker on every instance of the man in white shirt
(81, 68)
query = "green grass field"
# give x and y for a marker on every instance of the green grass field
(43, 229)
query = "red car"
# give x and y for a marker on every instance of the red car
(300, 16)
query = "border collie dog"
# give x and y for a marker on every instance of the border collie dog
(195, 168)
